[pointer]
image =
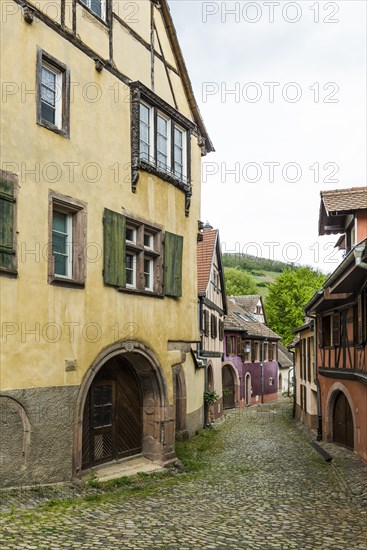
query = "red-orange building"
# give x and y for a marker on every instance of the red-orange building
(340, 310)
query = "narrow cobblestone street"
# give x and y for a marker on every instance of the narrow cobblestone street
(264, 486)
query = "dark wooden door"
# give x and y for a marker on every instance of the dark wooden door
(343, 428)
(113, 416)
(129, 414)
(228, 387)
(103, 411)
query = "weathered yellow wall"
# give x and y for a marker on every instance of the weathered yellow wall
(100, 134)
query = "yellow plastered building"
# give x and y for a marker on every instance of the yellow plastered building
(101, 153)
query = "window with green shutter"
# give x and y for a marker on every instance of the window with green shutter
(173, 248)
(132, 254)
(8, 192)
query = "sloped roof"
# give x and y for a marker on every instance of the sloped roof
(336, 204)
(250, 301)
(206, 249)
(285, 357)
(237, 320)
(205, 255)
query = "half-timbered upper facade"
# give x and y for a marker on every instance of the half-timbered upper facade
(340, 309)
(100, 196)
(212, 308)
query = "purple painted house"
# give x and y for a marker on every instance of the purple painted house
(250, 366)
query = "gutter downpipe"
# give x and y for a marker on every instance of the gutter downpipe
(262, 370)
(199, 356)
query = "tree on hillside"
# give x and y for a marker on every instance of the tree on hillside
(239, 282)
(288, 295)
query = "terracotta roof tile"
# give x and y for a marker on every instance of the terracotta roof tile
(335, 205)
(341, 200)
(205, 253)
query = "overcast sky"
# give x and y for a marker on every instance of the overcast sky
(297, 73)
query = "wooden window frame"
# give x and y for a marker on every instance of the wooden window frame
(45, 59)
(141, 94)
(213, 326)
(221, 330)
(78, 211)
(87, 4)
(11, 179)
(152, 160)
(326, 328)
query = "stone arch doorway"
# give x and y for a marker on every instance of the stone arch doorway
(228, 385)
(248, 388)
(343, 425)
(122, 409)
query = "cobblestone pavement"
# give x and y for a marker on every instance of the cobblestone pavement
(263, 487)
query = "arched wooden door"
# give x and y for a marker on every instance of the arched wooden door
(112, 420)
(228, 387)
(343, 427)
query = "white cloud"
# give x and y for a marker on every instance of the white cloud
(304, 132)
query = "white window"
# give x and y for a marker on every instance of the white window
(179, 154)
(163, 142)
(148, 240)
(97, 6)
(67, 234)
(145, 140)
(148, 273)
(131, 234)
(51, 95)
(62, 244)
(143, 257)
(131, 270)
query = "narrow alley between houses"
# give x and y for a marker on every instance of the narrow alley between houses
(252, 482)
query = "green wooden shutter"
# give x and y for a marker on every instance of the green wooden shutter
(114, 239)
(7, 204)
(173, 246)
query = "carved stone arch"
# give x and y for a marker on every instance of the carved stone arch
(333, 394)
(158, 433)
(15, 406)
(236, 382)
(180, 400)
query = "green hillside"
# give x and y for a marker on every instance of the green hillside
(263, 270)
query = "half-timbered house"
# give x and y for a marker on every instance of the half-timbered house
(212, 308)
(340, 312)
(100, 202)
(250, 366)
